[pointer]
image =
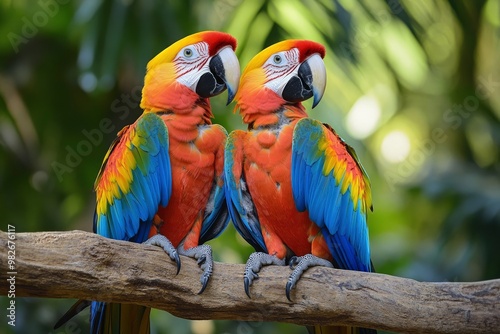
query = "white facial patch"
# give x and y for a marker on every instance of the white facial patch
(190, 61)
(279, 68)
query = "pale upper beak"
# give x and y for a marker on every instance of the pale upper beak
(223, 72)
(308, 81)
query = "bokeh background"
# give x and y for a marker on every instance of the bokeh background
(414, 86)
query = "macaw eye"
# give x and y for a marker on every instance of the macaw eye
(188, 53)
(277, 59)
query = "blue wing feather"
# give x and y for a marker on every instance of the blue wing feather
(343, 227)
(299, 167)
(216, 213)
(217, 216)
(129, 216)
(239, 201)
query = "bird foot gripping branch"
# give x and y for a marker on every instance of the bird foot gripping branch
(299, 264)
(161, 241)
(203, 255)
(254, 264)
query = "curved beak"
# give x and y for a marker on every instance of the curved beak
(309, 81)
(223, 72)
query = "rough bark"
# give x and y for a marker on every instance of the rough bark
(84, 265)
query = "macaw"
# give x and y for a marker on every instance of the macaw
(162, 180)
(295, 190)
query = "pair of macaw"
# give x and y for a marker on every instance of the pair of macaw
(293, 189)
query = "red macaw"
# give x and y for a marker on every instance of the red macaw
(163, 178)
(294, 188)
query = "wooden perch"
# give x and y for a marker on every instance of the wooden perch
(87, 266)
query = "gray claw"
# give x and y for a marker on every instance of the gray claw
(302, 263)
(204, 282)
(289, 287)
(254, 263)
(203, 256)
(247, 283)
(293, 261)
(161, 241)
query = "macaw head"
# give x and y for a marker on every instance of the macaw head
(201, 65)
(287, 72)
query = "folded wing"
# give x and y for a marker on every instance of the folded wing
(328, 181)
(135, 178)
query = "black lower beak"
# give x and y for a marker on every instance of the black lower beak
(212, 83)
(299, 88)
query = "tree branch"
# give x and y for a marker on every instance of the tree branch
(86, 266)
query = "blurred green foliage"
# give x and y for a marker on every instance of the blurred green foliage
(414, 86)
